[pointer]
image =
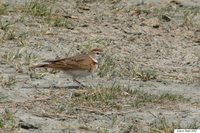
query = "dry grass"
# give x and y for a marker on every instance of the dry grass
(161, 125)
(187, 16)
(20, 56)
(104, 101)
(117, 97)
(3, 8)
(99, 100)
(38, 8)
(107, 66)
(45, 10)
(21, 34)
(7, 120)
(7, 81)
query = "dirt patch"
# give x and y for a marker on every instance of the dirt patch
(148, 80)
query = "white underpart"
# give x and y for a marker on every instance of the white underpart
(78, 73)
(81, 73)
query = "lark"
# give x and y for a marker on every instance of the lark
(77, 66)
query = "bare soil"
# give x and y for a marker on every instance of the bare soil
(148, 80)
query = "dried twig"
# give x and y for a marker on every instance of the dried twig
(124, 112)
(50, 115)
(90, 110)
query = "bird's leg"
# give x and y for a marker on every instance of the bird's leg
(79, 83)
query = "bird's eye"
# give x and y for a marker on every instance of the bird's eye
(97, 53)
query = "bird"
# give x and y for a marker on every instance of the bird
(77, 66)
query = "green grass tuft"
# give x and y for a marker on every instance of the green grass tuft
(7, 120)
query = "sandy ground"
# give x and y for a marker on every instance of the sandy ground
(151, 48)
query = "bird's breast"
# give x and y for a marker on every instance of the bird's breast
(94, 67)
(78, 73)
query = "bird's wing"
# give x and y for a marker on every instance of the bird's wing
(72, 63)
(74, 58)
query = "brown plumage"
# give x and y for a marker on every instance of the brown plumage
(76, 66)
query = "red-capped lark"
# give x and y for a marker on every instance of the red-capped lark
(76, 66)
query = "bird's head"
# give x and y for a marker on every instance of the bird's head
(96, 53)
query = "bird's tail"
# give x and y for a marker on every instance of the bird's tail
(40, 65)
